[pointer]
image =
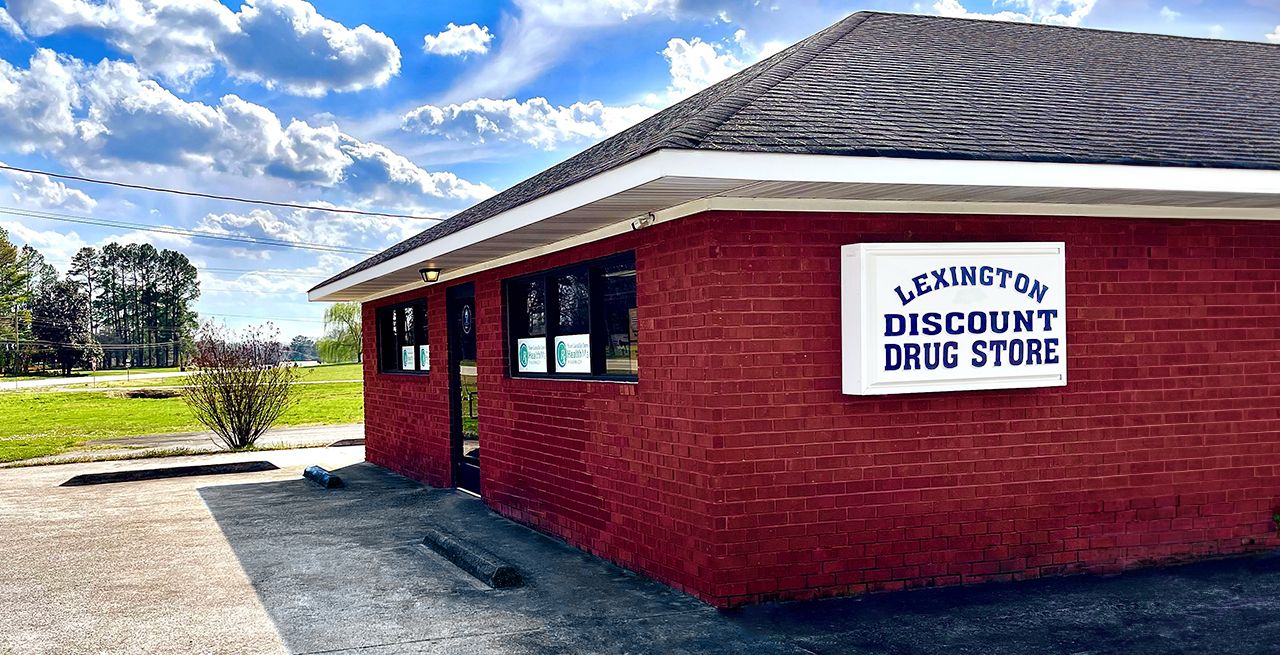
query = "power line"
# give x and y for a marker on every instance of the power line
(199, 234)
(212, 196)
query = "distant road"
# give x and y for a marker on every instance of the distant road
(86, 379)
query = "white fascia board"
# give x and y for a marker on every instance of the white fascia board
(781, 167)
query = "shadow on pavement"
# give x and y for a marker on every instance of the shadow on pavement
(344, 569)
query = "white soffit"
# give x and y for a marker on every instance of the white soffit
(674, 183)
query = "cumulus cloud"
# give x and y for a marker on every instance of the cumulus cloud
(697, 64)
(110, 112)
(42, 192)
(1274, 37)
(536, 121)
(327, 228)
(1169, 15)
(37, 103)
(284, 44)
(458, 40)
(1052, 12)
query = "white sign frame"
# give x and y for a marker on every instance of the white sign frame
(868, 270)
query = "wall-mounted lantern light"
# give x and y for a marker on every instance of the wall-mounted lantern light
(429, 275)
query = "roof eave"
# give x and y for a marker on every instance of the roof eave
(735, 169)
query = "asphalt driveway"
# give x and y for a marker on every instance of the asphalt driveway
(270, 563)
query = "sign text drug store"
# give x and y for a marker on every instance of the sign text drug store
(920, 317)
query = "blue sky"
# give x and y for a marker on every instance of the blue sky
(407, 107)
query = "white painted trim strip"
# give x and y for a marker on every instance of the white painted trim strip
(850, 170)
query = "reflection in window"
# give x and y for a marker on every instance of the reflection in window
(402, 338)
(573, 313)
(577, 320)
(619, 297)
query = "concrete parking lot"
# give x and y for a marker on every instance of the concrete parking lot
(271, 563)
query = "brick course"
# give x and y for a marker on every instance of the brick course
(737, 471)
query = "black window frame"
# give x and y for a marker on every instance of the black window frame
(388, 344)
(596, 326)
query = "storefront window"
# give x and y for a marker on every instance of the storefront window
(402, 338)
(593, 326)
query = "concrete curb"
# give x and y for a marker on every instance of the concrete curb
(139, 475)
(482, 564)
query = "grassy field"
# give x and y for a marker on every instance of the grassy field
(322, 373)
(84, 374)
(33, 424)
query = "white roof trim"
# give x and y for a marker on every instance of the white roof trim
(777, 167)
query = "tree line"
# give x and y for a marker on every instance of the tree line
(121, 305)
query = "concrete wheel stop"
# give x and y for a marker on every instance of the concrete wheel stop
(322, 477)
(480, 563)
(169, 472)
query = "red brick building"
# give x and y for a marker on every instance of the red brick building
(648, 338)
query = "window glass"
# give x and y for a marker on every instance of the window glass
(533, 298)
(577, 320)
(402, 338)
(619, 298)
(573, 314)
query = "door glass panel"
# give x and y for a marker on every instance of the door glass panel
(470, 397)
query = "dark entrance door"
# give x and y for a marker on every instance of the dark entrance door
(464, 401)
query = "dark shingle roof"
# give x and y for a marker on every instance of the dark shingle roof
(898, 85)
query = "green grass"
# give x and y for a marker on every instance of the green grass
(81, 374)
(33, 424)
(323, 373)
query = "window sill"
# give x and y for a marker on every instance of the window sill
(578, 378)
(406, 374)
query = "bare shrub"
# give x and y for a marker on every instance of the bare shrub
(238, 388)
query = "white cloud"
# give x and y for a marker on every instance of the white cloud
(10, 26)
(535, 121)
(458, 40)
(328, 228)
(273, 282)
(110, 113)
(697, 64)
(58, 246)
(1053, 12)
(42, 192)
(1169, 15)
(1274, 37)
(542, 34)
(281, 44)
(37, 104)
(1216, 31)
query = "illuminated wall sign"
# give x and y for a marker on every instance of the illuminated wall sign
(531, 355)
(922, 317)
(573, 353)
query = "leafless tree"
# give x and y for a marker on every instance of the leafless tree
(240, 387)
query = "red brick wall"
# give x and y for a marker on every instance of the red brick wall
(1164, 444)
(736, 470)
(617, 469)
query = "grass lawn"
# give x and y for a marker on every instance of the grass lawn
(322, 373)
(33, 424)
(81, 374)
